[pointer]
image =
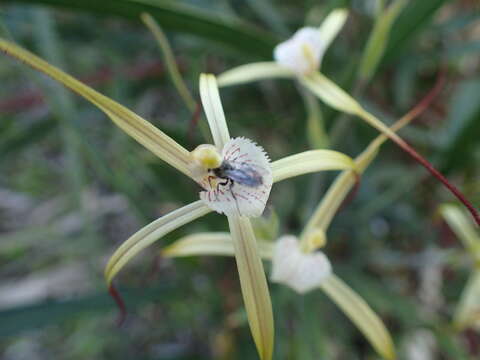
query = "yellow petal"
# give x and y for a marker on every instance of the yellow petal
(210, 244)
(361, 315)
(214, 110)
(151, 233)
(141, 130)
(253, 72)
(170, 61)
(310, 161)
(467, 312)
(332, 25)
(462, 227)
(254, 285)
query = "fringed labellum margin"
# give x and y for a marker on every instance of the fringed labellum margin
(241, 184)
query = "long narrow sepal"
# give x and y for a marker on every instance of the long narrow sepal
(254, 285)
(253, 72)
(344, 183)
(211, 244)
(310, 161)
(331, 26)
(141, 130)
(337, 98)
(213, 110)
(151, 233)
(459, 223)
(361, 315)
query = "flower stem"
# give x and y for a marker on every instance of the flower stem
(420, 159)
(120, 304)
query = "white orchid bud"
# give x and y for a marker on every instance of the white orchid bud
(300, 271)
(301, 53)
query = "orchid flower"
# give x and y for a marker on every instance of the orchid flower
(300, 58)
(229, 194)
(467, 312)
(297, 263)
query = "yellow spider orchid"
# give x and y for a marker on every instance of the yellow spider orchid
(299, 58)
(297, 263)
(197, 165)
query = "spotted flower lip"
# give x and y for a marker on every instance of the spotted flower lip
(244, 188)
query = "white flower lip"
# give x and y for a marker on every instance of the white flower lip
(301, 53)
(298, 270)
(233, 197)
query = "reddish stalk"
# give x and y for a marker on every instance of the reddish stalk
(120, 304)
(453, 189)
(416, 111)
(425, 163)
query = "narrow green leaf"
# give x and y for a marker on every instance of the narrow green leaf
(463, 126)
(413, 19)
(378, 40)
(178, 16)
(316, 134)
(169, 59)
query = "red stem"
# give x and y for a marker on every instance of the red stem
(120, 304)
(422, 105)
(440, 177)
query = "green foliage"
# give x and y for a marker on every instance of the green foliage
(72, 187)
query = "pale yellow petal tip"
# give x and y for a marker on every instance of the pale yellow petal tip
(339, 12)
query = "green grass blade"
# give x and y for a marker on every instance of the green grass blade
(414, 18)
(177, 16)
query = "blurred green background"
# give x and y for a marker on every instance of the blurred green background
(73, 186)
